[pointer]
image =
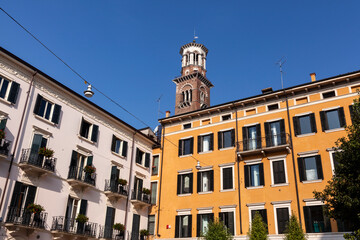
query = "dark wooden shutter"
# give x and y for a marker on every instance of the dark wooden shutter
(14, 90)
(301, 167)
(342, 117)
(308, 220)
(198, 181)
(279, 172)
(324, 123)
(124, 149)
(211, 180)
(198, 222)
(247, 175)
(3, 124)
(95, 132)
(267, 134)
(74, 158)
(113, 142)
(89, 161)
(211, 147)
(179, 184)
(81, 127)
(245, 138)
(313, 123)
(30, 195)
(227, 178)
(114, 173)
(191, 182)
(109, 219)
(211, 215)
(135, 227)
(220, 140)
(56, 114)
(189, 226)
(263, 214)
(319, 167)
(258, 136)
(16, 194)
(37, 104)
(261, 171)
(351, 109)
(35, 146)
(147, 160)
(282, 219)
(232, 137)
(282, 131)
(199, 144)
(177, 227)
(180, 147)
(137, 156)
(296, 126)
(191, 145)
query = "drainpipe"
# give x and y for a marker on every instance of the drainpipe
(238, 166)
(293, 157)
(130, 177)
(161, 171)
(17, 139)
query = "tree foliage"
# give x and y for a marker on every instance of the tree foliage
(258, 229)
(342, 193)
(217, 231)
(294, 231)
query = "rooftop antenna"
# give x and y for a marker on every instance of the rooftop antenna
(158, 100)
(281, 63)
(195, 37)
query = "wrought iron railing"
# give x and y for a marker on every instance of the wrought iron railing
(77, 173)
(4, 147)
(139, 195)
(38, 160)
(70, 225)
(21, 216)
(115, 187)
(108, 232)
(272, 140)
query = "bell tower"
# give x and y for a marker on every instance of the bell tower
(192, 87)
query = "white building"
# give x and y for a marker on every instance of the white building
(49, 114)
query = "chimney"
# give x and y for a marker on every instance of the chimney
(167, 114)
(313, 77)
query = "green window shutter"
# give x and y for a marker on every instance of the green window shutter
(95, 132)
(296, 126)
(74, 158)
(89, 161)
(324, 123)
(3, 124)
(113, 142)
(37, 104)
(313, 123)
(147, 160)
(14, 90)
(83, 206)
(56, 114)
(124, 149)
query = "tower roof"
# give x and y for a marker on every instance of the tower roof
(193, 44)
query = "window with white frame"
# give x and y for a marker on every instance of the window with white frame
(119, 146)
(142, 158)
(332, 119)
(202, 223)
(153, 193)
(155, 165)
(272, 107)
(282, 217)
(310, 168)
(186, 125)
(251, 137)
(228, 219)
(47, 110)
(262, 212)
(304, 124)
(227, 177)
(205, 181)
(275, 133)
(278, 171)
(254, 174)
(226, 138)
(205, 143)
(151, 224)
(89, 130)
(185, 183)
(8, 90)
(186, 146)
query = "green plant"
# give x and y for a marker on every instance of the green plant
(144, 232)
(34, 208)
(81, 218)
(2, 134)
(120, 227)
(258, 229)
(122, 182)
(146, 191)
(217, 231)
(47, 152)
(89, 169)
(353, 236)
(294, 231)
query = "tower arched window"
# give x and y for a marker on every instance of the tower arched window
(187, 95)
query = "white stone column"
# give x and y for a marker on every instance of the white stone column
(204, 63)
(183, 61)
(200, 60)
(191, 58)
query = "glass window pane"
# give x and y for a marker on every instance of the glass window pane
(333, 119)
(205, 181)
(42, 107)
(252, 137)
(187, 147)
(186, 182)
(310, 168)
(153, 192)
(227, 139)
(206, 143)
(275, 133)
(255, 175)
(117, 145)
(48, 111)
(155, 165)
(305, 124)
(205, 219)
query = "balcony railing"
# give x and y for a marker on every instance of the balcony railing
(107, 232)
(69, 225)
(22, 217)
(140, 196)
(4, 147)
(38, 160)
(78, 174)
(114, 187)
(269, 143)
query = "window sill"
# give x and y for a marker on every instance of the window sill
(334, 130)
(227, 190)
(118, 155)
(44, 120)
(141, 166)
(184, 195)
(228, 148)
(185, 155)
(305, 135)
(313, 181)
(205, 152)
(280, 185)
(6, 102)
(205, 192)
(257, 187)
(85, 139)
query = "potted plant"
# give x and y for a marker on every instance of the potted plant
(144, 233)
(122, 182)
(146, 191)
(34, 208)
(89, 169)
(47, 152)
(2, 134)
(120, 227)
(81, 218)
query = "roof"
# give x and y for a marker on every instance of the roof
(73, 92)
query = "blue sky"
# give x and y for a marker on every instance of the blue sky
(130, 49)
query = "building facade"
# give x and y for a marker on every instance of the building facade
(265, 154)
(67, 154)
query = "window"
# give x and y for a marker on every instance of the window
(155, 166)
(228, 219)
(151, 224)
(185, 183)
(22, 196)
(187, 126)
(203, 221)
(74, 207)
(250, 112)
(282, 217)
(46, 109)
(89, 130)
(138, 189)
(153, 193)
(278, 171)
(304, 124)
(226, 139)
(205, 143)
(186, 146)
(226, 117)
(332, 119)
(109, 222)
(205, 181)
(8, 90)
(251, 137)
(315, 219)
(262, 213)
(142, 158)
(273, 107)
(329, 94)
(77, 165)
(119, 146)
(275, 133)
(205, 121)
(227, 178)
(310, 168)
(254, 175)
(301, 100)
(183, 226)
(39, 141)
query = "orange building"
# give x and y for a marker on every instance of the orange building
(266, 154)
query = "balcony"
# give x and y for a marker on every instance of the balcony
(264, 145)
(19, 220)
(62, 227)
(113, 190)
(34, 163)
(77, 178)
(110, 233)
(4, 148)
(140, 199)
